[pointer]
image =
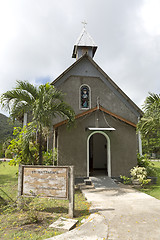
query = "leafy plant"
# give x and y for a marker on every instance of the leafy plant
(149, 125)
(143, 161)
(140, 174)
(23, 147)
(48, 157)
(125, 180)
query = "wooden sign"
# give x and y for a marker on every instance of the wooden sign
(47, 181)
(44, 181)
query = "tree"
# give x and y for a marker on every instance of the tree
(23, 147)
(149, 125)
(43, 103)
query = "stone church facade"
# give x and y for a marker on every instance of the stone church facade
(103, 137)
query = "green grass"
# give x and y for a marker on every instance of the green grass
(154, 190)
(33, 221)
(8, 180)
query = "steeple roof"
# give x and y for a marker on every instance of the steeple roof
(84, 40)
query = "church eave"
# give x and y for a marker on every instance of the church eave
(93, 110)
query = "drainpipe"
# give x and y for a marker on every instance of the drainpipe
(139, 140)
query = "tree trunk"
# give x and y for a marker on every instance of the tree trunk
(40, 146)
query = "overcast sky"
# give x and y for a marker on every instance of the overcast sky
(37, 38)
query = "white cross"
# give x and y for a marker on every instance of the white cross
(84, 23)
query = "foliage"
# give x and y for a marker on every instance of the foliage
(44, 103)
(48, 157)
(6, 127)
(140, 174)
(143, 161)
(23, 148)
(1, 151)
(151, 142)
(125, 180)
(8, 154)
(149, 125)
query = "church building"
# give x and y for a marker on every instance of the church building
(103, 138)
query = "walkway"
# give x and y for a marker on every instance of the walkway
(118, 212)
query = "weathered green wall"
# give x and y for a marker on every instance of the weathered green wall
(72, 145)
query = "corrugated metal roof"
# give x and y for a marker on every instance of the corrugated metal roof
(85, 39)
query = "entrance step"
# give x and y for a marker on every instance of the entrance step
(103, 182)
(88, 181)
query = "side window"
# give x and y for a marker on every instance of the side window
(84, 97)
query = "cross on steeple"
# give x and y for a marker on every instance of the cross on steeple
(84, 44)
(84, 23)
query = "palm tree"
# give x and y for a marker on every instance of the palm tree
(149, 125)
(151, 117)
(43, 102)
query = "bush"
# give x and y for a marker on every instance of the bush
(23, 147)
(140, 174)
(143, 161)
(125, 180)
(1, 154)
(8, 153)
(48, 158)
(1, 151)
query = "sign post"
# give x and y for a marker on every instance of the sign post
(47, 181)
(71, 192)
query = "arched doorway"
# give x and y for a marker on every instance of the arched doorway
(98, 153)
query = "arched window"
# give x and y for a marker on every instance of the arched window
(84, 97)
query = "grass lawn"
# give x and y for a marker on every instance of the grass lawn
(154, 190)
(33, 221)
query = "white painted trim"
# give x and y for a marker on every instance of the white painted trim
(80, 97)
(108, 152)
(101, 129)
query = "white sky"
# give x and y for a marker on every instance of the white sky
(37, 38)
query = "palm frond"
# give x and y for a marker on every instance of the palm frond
(28, 87)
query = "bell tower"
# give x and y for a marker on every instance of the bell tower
(84, 44)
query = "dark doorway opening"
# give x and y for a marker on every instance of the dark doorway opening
(98, 155)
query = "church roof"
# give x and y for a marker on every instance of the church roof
(93, 110)
(108, 81)
(84, 40)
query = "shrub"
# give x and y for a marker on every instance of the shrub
(143, 161)
(140, 174)
(8, 153)
(125, 180)
(48, 158)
